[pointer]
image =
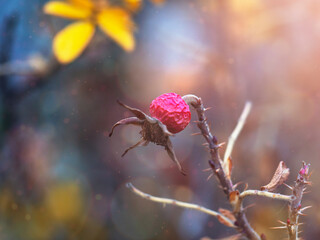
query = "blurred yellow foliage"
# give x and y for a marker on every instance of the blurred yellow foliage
(63, 202)
(6, 198)
(69, 43)
(135, 5)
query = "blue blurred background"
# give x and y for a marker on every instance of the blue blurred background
(62, 177)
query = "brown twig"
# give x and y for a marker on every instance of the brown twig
(216, 165)
(266, 194)
(223, 219)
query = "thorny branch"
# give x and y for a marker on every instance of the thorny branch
(235, 198)
(237, 218)
(216, 165)
(295, 209)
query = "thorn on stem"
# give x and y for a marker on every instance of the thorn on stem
(249, 206)
(206, 170)
(288, 186)
(281, 222)
(305, 208)
(196, 134)
(221, 144)
(210, 176)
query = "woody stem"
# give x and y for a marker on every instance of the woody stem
(295, 205)
(266, 194)
(216, 165)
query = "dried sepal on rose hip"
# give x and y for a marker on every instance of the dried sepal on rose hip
(170, 114)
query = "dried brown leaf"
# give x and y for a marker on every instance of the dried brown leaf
(224, 222)
(228, 214)
(279, 177)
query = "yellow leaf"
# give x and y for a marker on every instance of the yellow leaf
(83, 3)
(133, 5)
(70, 42)
(66, 10)
(117, 24)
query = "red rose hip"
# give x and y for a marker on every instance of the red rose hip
(172, 111)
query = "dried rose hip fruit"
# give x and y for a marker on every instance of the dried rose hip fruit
(172, 111)
(170, 114)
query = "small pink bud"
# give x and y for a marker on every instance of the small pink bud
(288, 221)
(304, 170)
(172, 111)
